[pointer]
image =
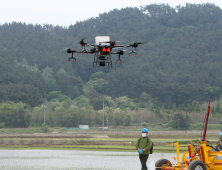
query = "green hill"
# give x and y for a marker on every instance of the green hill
(180, 62)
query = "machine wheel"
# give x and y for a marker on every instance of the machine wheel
(160, 163)
(197, 165)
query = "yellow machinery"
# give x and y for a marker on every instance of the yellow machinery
(201, 157)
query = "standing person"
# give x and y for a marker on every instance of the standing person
(143, 146)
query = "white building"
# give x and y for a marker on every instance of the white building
(84, 127)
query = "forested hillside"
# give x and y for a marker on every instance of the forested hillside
(180, 63)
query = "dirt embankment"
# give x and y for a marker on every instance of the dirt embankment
(195, 134)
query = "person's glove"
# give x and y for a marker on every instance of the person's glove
(141, 151)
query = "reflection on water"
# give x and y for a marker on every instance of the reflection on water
(72, 159)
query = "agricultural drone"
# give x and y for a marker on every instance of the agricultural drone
(102, 50)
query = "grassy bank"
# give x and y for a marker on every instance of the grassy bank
(94, 142)
(115, 139)
(135, 128)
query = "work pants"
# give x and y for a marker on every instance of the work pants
(143, 159)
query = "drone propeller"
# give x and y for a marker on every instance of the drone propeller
(117, 49)
(135, 44)
(120, 52)
(81, 42)
(112, 43)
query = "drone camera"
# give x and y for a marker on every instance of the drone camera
(68, 50)
(102, 64)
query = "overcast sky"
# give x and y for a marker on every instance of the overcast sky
(67, 12)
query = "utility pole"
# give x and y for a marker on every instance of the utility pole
(107, 121)
(178, 122)
(103, 114)
(44, 116)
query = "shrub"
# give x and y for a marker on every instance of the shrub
(144, 124)
(45, 129)
(197, 126)
(179, 121)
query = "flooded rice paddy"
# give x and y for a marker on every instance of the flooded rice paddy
(74, 160)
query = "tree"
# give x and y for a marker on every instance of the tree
(168, 110)
(96, 100)
(213, 110)
(212, 91)
(174, 108)
(66, 83)
(179, 107)
(183, 107)
(218, 109)
(145, 97)
(50, 81)
(152, 109)
(129, 120)
(97, 82)
(188, 108)
(195, 106)
(180, 121)
(191, 32)
(14, 115)
(57, 95)
(157, 110)
(82, 102)
(25, 93)
(120, 117)
(163, 108)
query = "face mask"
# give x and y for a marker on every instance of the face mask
(143, 134)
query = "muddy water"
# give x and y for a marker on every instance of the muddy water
(71, 159)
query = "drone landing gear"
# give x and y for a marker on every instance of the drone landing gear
(120, 61)
(133, 48)
(132, 52)
(72, 58)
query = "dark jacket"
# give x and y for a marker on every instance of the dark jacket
(142, 144)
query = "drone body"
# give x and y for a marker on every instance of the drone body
(102, 50)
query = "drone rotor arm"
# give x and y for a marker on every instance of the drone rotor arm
(119, 46)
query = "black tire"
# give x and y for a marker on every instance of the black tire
(160, 163)
(197, 165)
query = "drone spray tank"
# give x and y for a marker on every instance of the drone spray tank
(101, 40)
